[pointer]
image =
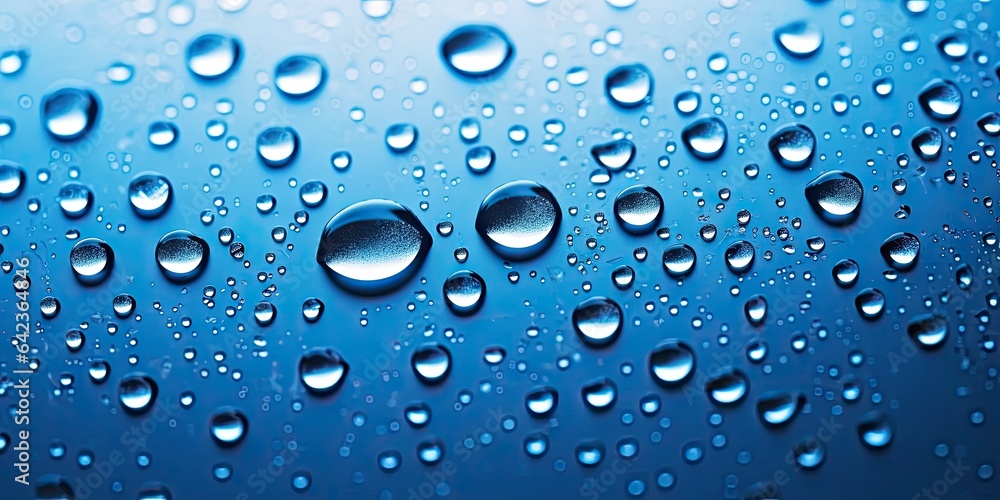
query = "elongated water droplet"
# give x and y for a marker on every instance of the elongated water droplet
(629, 86)
(928, 331)
(476, 50)
(755, 309)
(299, 75)
(835, 196)
(374, 246)
(728, 388)
(322, 371)
(181, 256)
(69, 113)
(779, 408)
(519, 220)
(614, 155)
(941, 100)
(213, 56)
(598, 321)
(799, 39)
(705, 138)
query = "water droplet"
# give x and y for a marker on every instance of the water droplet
(954, 46)
(671, 362)
(793, 146)
(431, 451)
(162, 134)
(623, 276)
(213, 56)
(181, 256)
(277, 146)
(376, 9)
(810, 453)
(679, 260)
(476, 50)
(374, 246)
(92, 261)
(900, 251)
(729, 388)
(401, 137)
(536, 444)
(614, 155)
(875, 430)
(149, 193)
(835, 196)
(69, 113)
(989, 123)
(799, 39)
(228, 426)
(322, 370)
(638, 209)
(312, 309)
(12, 61)
(687, 102)
(418, 415)
(479, 159)
(390, 460)
(123, 304)
(705, 138)
(589, 453)
(845, 273)
(49, 307)
(927, 143)
(756, 309)
(137, 392)
(740, 256)
(779, 408)
(75, 199)
(928, 331)
(519, 220)
(870, 303)
(464, 292)
(12, 179)
(299, 75)
(941, 100)
(598, 321)
(629, 86)
(600, 394)
(431, 363)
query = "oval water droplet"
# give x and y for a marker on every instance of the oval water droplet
(740, 256)
(679, 260)
(846, 272)
(277, 146)
(671, 363)
(92, 261)
(638, 209)
(614, 155)
(941, 99)
(401, 137)
(687, 102)
(779, 408)
(476, 50)
(150, 194)
(541, 401)
(431, 362)
(299, 75)
(12, 179)
(162, 134)
(728, 388)
(598, 321)
(181, 256)
(900, 251)
(989, 123)
(374, 246)
(870, 303)
(464, 292)
(928, 143)
(810, 453)
(875, 430)
(213, 56)
(480, 159)
(954, 46)
(69, 113)
(799, 39)
(629, 86)
(705, 138)
(928, 331)
(600, 394)
(793, 146)
(418, 415)
(137, 392)
(755, 309)
(322, 370)
(519, 220)
(835, 196)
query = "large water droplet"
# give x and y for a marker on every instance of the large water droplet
(277, 146)
(954, 46)
(671, 362)
(181, 256)
(728, 388)
(799, 39)
(137, 392)
(69, 113)
(740, 256)
(92, 261)
(598, 321)
(519, 220)
(213, 56)
(299, 75)
(630, 85)
(835, 196)
(541, 401)
(941, 99)
(779, 408)
(614, 155)
(875, 430)
(928, 330)
(431, 363)
(322, 370)
(149, 193)
(12, 179)
(927, 143)
(793, 146)
(464, 292)
(679, 260)
(989, 123)
(705, 138)
(638, 209)
(476, 50)
(376, 9)
(374, 246)
(900, 251)
(228, 426)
